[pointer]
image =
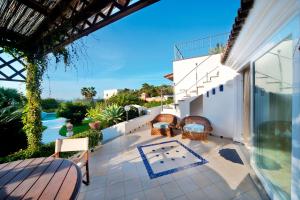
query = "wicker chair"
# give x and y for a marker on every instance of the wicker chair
(168, 118)
(196, 135)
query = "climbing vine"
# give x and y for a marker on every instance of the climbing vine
(35, 68)
(32, 112)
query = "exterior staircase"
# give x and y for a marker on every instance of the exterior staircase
(190, 87)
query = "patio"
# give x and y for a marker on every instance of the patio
(118, 172)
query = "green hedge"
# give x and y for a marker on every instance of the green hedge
(48, 149)
(157, 103)
(49, 105)
(75, 112)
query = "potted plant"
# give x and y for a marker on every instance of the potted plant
(69, 127)
(95, 125)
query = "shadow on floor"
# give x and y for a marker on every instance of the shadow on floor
(231, 155)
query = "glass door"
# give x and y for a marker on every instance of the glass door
(272, 119)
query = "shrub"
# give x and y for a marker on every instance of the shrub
(12, 135)
(74, 112)
(48, 149)
(157, 103)
(132, 113)
(152, 104)
(124, 98)
(9, 97)
(84, 102)
(112, 114)
(95, 112)
(49, 105)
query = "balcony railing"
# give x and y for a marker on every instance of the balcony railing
(204, 46)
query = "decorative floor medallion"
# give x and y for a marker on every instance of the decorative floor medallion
(168, 157)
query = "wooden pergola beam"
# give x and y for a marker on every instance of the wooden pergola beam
(60, 23)
(95, 7)
(11, 35)
(107, 20)
(50, 20)
(35, 6)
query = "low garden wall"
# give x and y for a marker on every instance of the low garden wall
(127, 127)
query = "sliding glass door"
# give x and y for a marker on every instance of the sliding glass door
(272, 117)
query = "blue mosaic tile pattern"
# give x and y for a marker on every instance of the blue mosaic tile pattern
(153, 175)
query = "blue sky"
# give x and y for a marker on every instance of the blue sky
(136, 49)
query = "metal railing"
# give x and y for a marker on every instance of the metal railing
(186, 91)
(202, 78)
(195, 68)
(200, 47)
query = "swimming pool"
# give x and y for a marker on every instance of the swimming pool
(53, 125)
(48, 116)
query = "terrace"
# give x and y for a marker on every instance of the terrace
(119, 172)
(131, 163)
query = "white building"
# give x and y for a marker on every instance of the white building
(251, 93)
(109, 93)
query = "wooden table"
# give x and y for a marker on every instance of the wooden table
(40, 178)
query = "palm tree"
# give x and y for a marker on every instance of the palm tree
(88, 92)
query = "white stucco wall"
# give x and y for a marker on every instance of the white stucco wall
(109, 93)
(127, 127)
(186, 73)
(220, 110)
(277, 19)
(183, 67)
(196, 106)
(254, 37)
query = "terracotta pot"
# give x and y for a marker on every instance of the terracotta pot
(94, 125)
(69, 126)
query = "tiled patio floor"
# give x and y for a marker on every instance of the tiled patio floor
(118, 172)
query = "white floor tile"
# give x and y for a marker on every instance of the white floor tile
(155, 194)
(118, 172)
(171, 190)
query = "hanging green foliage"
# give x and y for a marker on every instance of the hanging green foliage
(32, 112)
(31, 117)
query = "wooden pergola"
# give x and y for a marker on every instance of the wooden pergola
(38, 27)
(30, 29)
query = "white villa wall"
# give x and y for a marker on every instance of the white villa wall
(113, 132)
(196, 107)
(253, 41)
(127, 127)
(254, 38)
(183, 67)
(185, 75)
(219, 109)
(170, 109)
(138, 122)
(184, 107)
(109, 93)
